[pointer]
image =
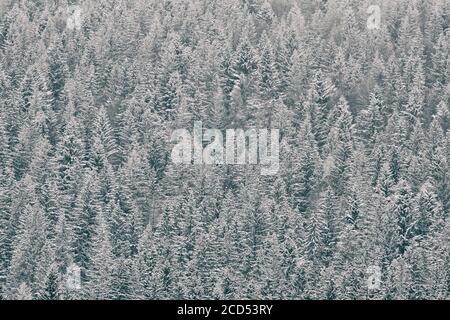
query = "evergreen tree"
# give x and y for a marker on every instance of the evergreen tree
(99, 282)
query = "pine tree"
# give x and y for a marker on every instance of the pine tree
(69, 157)
(402, 207)
(316, 232)
(371, 121)
(327, 209)
(28, 250)
(24, 292)
(302, 180)
(85, 214)
(169, 97)
(428, 210)
(340, 146)
(104, 146)
(416, 103)
(319, 97)
(267, 73)
(101, 263)
(7, 227)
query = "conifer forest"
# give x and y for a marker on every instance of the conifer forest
(93, 205)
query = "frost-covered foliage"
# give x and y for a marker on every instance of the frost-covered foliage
(90, 94)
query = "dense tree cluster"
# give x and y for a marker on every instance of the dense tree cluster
(86, 178)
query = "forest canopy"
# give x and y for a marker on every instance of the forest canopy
(91, 91)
